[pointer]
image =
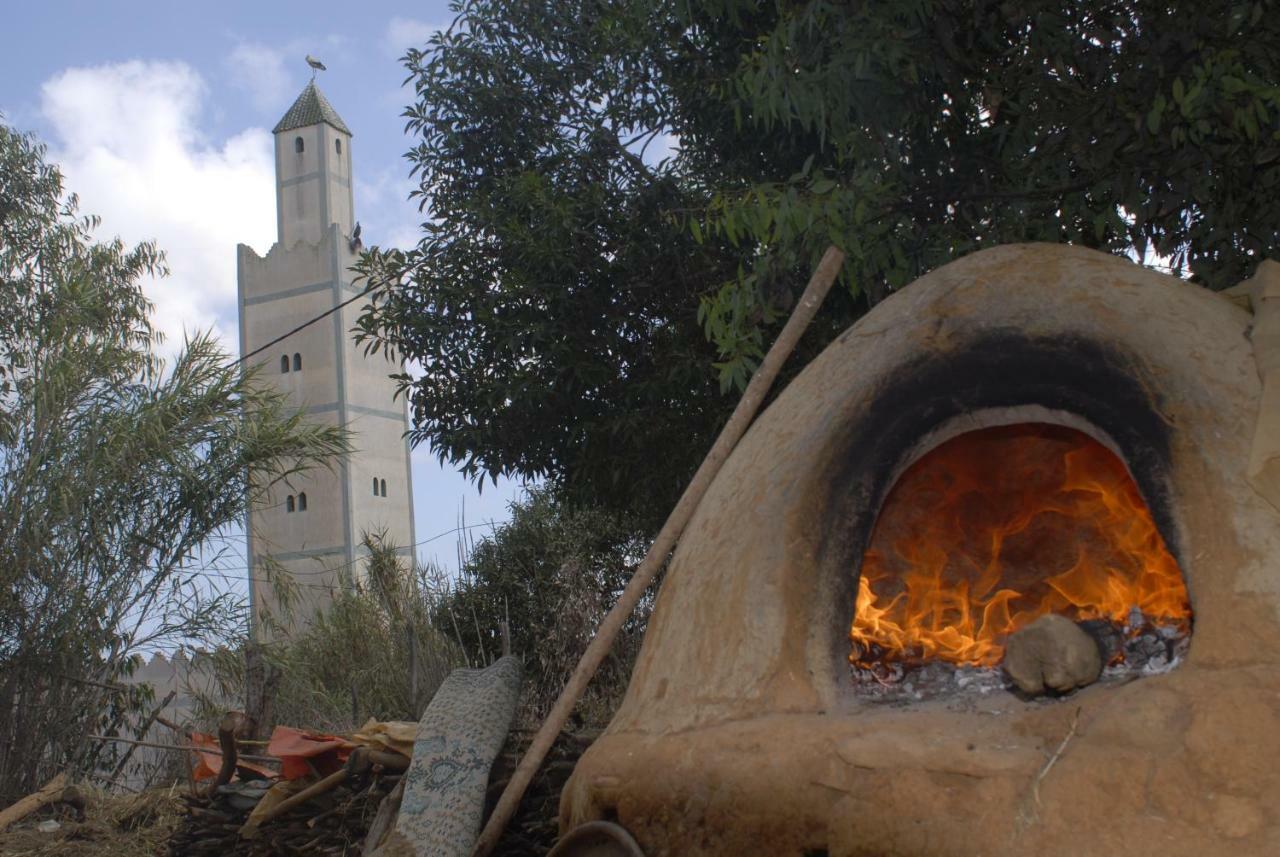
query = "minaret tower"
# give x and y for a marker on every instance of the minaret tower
(312, 528)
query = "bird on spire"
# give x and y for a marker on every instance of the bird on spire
(316, 65)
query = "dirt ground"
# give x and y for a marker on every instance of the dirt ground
(114, 826)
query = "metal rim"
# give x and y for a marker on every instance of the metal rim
(597, 839)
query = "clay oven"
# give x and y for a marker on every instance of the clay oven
(746, 729)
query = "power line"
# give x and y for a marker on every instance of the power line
(436, 537)
(225, 571)
(330, 311)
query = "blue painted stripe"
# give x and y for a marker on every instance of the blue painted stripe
(314, 553)
(316, 174)
(340, 366)
(331, 407)
(300, 290)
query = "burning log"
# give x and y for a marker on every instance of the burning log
(1052, 654)
(997, 527)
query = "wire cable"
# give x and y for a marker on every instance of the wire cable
(330, 311)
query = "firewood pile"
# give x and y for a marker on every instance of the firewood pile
(333, 823)
(535, 826)
(333, 815)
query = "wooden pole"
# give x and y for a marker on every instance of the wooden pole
(245, 756)
(819, 284)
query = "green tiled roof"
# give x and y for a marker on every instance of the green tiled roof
(311, 108)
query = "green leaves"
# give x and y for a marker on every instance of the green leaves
(939, 129)
(1153, 117)
(552, 298)
(582, 313)
(552, 559)
(117, 473)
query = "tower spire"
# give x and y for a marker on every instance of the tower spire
(313, 170)
(312, 526)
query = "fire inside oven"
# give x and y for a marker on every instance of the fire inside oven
(997, 527)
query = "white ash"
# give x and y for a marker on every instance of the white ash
(1139, 647)
(911, 683)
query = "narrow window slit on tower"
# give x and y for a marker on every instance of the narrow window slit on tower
(284, 362)
(302, 501)
(375, 486)
(288, 503)
(384, 487)
(337, 146)
(297, 362)
(298, 145)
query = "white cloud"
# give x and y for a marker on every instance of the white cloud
(405, 33)
(390, 218)
(260, 71)
(129, 140)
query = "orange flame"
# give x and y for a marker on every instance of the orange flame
(997, 527)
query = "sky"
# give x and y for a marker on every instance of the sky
(160, 114)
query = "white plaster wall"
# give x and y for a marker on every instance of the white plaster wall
(313, 187)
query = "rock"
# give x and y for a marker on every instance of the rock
(1107, 636)
(1051, 654)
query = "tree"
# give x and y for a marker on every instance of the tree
(549, 301)
(562, 295)
(372, 650)
(550, 573)
(116, 472)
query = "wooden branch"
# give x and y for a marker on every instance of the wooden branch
(385, 819)
(50, 793)
(819, 284)
(142, 731)
(365, 759)
(227, 744)
(165, 721)
(327, 784)
(114, 688)
(245, 756)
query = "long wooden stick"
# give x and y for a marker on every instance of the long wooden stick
(819, 284)
(327, 784)
(119, 740)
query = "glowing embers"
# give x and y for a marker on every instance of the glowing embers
(999, 526)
